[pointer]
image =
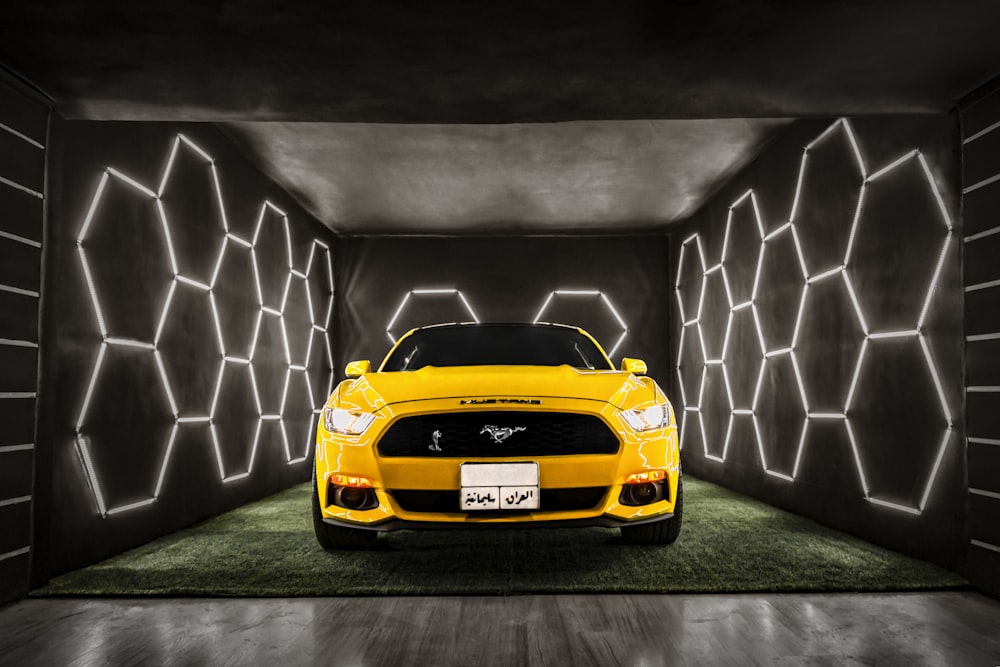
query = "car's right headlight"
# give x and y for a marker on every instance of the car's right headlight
(650, 418)
(346, 422)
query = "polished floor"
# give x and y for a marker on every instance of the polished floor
(937, 628)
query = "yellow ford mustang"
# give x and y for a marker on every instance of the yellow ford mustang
(496, 425)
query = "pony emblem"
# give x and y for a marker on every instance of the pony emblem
(499, 434)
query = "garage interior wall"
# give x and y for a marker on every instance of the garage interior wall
(818, 336)
(23, 137)
(611, 286)
(981, 204)
(185, 331)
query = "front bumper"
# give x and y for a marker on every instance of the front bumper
(359, 456)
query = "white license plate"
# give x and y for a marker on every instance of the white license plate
(499, 486)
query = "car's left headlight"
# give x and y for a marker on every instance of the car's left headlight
(346, 422)
(649, 418)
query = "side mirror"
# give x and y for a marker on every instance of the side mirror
(634, 366)
(356, 369)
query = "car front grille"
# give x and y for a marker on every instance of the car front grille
(498, 434)
(550, 500)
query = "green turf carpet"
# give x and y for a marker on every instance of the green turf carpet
(728, 543)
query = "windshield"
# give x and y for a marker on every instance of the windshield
(496, 345)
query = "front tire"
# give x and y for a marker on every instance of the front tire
(336, 538)
(659, 532)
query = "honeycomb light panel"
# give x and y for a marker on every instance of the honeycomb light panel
(869, 337)
(83, 441)
(587, 293)
(427, 291)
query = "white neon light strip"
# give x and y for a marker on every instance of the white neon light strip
(983, 389)
(20, 239)
(93, 207)
(982, 235)
(892, 165)
(23, 137)
(18, 290)
(22, 188)
(24, 448)
(131, 506)
(798, 186)
(15, 553)
(468, 307)
(20, 500)
(131, 181)
(934, 470)
(166, 383)
(10, 342)
(985, 545)
(894, 334)
(17, 394)
(237, 239)
(778, 231)
(93, 291)
(275, 209)
(934, 281)
(127, 342)
(981, 286)
(166, 235)
(163, 313)
(981, 337)
(90, 385)
(981, 133)
(895, 506)
(194, 283)
(984, 441)
(196, 148)
(972, 188)
(168, 170)
(854, 224)
(826, 274)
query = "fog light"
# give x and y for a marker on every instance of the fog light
(350, 492)
(641, 494)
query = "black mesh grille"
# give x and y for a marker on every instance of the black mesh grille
(464, 434)
(551, 500)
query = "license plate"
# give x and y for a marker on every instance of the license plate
(499, 486)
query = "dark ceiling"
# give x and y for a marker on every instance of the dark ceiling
(452, 64)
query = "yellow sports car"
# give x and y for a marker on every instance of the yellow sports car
(496, 425)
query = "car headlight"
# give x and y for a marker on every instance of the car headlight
(346, 422)
(648, 419)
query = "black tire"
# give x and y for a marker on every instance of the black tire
(659, 532)
(335, 538)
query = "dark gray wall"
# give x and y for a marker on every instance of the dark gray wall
(837, 410)
(150, 413)
(505, 279)
(23, 135)
(981, 211)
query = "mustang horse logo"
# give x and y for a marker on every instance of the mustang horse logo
(499, 434)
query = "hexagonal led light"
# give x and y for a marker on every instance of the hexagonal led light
(587, 292)
(83, 443)
(870, 337)
(427, 291)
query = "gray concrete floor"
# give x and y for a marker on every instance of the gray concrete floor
(937, 628)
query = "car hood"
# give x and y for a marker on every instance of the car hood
(376, 390)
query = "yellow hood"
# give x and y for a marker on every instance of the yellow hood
(376, 390)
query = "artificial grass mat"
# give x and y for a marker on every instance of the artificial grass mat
(729, 543)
